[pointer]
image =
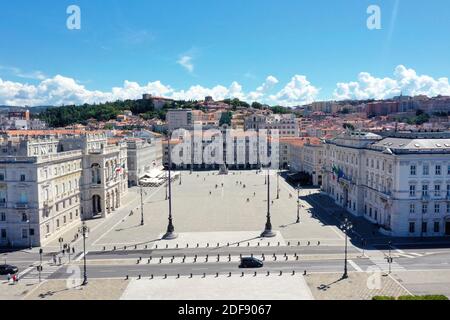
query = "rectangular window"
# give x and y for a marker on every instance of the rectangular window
(24, 233)
(412, 227)
(31, 232)
(413, 170)
(412, 208)
(448, 170)
(426, 170)
(438, 170)
(22, 177)
(3, 233)
(437, 227)
(412, 191)
(2, 177)
(437, 190)
(3, 216)
(437, 208)
(425, 190)
(424, 227)
(424, 208)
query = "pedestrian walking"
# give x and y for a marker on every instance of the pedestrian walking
(59, 260)
(54, 259)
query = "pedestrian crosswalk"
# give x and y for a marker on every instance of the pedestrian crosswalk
(47, 270)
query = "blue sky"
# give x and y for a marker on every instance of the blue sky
(225, 48)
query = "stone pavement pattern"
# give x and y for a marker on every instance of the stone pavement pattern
(329, 286)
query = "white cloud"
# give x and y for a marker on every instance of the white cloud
(297, 92)
(405, 81)
(36, 75)
(256, 95)
(186, 62)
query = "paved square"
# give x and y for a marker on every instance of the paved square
(207, 202)
(221, 288)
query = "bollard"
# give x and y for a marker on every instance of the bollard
(268, 244)
(190, 275)
(281, 273)
(251, 255)
(187, 245)
(178, 276)
(248, 244)
(135, 247)
(104, 248)
(318, 243)
(156, 247)
(255, 274)
(229, 275)
(297, 257)
(289, 244)
(278, 244)
(197, 245)
(240, 256)
(304, 273)
(298, 243)
(125, 248)
(238, 244)
(149, 260)
(295, 254)
(275, 258)
(151, 277)
(171, 260)
(165, 276)
(309, 243)
(217, 274)
(207, 245)
(228, 244)
(167, 246)
(177, 246)
(139, 277)
(285, 254)
(268, 273)
(138, 261)
(114, 248)
(218, 245)
(204, 275)
(146, 246)
(258, 244)
(126, 278)
(293, 272)
(242, 274)
(287, 258)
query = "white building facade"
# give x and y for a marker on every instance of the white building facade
(400, 184)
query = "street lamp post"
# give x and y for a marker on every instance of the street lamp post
(298, 203)
(167, 186)
(60, 240)
(346, 227)
(40, 263)
(170, 234)
(389, 258)
(142, 207)
(84, 230)
(29, 234)
(268, 233)
(180, 178)
(278, 184)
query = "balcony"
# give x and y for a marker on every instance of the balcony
(21, 206)
(425, 197)
(386, 195)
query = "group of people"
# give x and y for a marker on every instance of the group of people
(14, 279)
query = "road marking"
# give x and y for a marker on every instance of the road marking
(354, 265)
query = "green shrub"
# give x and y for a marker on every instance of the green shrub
(426, 297)
(383, 298)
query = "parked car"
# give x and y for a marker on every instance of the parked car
(251, 263)
(7, 269)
